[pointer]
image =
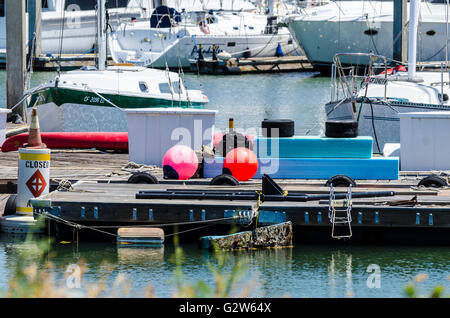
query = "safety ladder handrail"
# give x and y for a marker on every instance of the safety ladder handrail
(334, 219)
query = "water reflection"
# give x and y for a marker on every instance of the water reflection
(140, 256)
(302, 271)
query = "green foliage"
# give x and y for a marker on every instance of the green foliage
(224, 280)
(412, 289)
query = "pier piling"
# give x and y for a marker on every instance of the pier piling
(15, 54)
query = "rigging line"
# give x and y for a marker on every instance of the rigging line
(73, 224)
(446, 36)
(169, 224)
(371, 37)
(326, 116)
(265, 46)
(26, 95)
(61, 33)
(190, 230)
(105, 99)
(30, 63)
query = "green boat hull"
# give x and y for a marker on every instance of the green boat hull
(60, 96)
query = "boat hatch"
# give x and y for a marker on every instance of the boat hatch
(143, 87)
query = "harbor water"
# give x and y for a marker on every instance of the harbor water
(300, 271)
(249, 99)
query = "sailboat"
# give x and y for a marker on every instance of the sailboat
(364, 26)
(376, 95)
(93, 98)
(172, 38)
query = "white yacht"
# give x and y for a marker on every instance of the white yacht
(374, 96)
(93, 98)
(174, 38)
(366, 27)
(75, 20)
(69, 26)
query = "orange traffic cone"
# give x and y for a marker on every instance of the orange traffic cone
(34, 134)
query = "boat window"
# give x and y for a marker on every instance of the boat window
(44, 4)
(143, 87)
(90, 5)
(231, 44)
(164, 88)
(177, 88)
(431, 32)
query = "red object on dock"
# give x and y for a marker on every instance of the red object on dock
(242, 163)
(72, 140)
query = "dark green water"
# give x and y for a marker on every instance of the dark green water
(302, 271)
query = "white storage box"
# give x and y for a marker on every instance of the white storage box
(424, 140)
(3, 113)
(152, 131)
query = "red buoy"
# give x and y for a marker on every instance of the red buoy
(241, 162)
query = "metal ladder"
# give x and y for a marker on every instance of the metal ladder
(340, 214)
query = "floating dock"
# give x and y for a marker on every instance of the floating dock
(67, 62)
(412, 216)
(93, 192)
(252, 65)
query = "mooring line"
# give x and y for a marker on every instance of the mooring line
(73, 224)
(169, 224)
(97, 228)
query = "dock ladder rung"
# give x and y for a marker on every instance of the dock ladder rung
(342, 214)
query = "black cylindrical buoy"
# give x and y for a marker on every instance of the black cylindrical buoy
(278, 128)
(231, 141)
(341, 128)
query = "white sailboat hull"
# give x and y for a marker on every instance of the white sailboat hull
(80, 117)
(345, 28)
(378, 119)
(186, 49)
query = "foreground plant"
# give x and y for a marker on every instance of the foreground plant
(224, 282)
(412, 289)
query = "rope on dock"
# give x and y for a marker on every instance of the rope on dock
(78, 226)
(175, 224)
(73, 224)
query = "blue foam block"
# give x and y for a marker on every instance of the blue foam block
(316, 168)
(313, 147)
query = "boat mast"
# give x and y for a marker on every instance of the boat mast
(414, 8)
(101, 35)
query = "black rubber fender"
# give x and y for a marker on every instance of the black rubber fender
(231, 141)
(10, 207)
(433, 182)
(341, 180)
(143, 177)
(341, 128)
(224, 179)
(286, 127)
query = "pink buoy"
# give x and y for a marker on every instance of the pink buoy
(180, 162)
(242, 163)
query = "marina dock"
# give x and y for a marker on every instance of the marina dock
(67, 62)
(253, 65)
(98, 195)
